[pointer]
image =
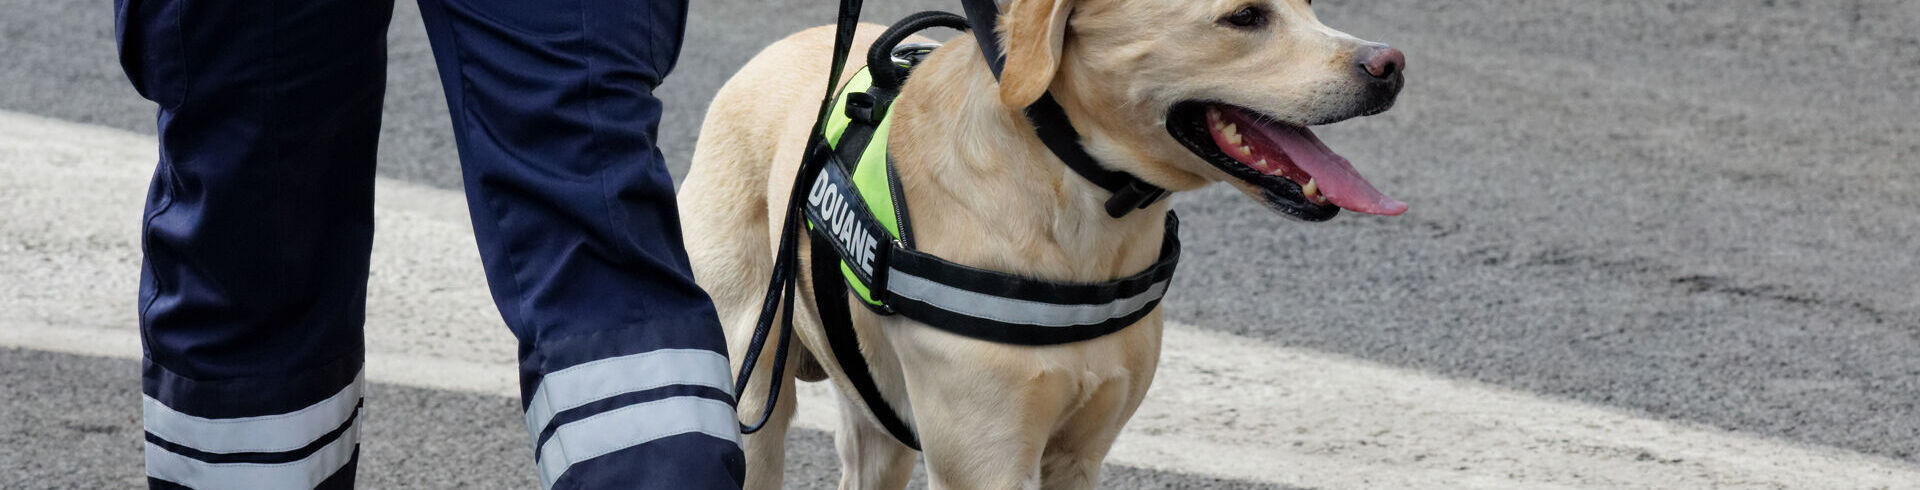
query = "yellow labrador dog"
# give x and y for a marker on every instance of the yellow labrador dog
(1180, 93)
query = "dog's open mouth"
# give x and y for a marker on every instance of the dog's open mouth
(1284, 165)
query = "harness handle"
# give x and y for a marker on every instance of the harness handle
(886, 74)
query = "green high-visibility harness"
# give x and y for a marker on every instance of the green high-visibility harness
(848, 198)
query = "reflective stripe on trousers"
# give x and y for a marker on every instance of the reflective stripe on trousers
(641, 398)
(259, 223)
(298, 449)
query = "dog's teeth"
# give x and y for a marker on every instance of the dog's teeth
(1261, 165)
(1312, 190)
(1232, 137)
(1246, 150)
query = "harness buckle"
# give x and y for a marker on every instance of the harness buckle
(1136, 195)
(883, 260)
(906, 55)
(863, 107)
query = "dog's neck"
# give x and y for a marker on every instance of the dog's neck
(985, 192)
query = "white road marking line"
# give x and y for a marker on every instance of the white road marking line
(1221, 405)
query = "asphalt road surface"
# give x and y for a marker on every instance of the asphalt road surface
(1695, 212)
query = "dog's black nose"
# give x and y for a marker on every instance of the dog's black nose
(1382, 62)
(1379, 69)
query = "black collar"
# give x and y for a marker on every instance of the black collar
(1056, 131)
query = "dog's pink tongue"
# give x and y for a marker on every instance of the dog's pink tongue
(1338, 181)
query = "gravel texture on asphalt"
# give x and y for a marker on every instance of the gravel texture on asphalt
(73, 423)
(1703, 211)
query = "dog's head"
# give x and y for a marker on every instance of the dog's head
(1210, 90)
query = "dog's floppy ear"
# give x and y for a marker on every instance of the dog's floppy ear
(1036, 31)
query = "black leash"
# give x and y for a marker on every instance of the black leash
(829, 285)
(780, 290)
(984, 15)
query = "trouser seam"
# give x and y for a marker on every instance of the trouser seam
(464, 127)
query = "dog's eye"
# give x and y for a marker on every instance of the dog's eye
(1249, 17)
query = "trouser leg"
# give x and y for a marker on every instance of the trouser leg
(256, 234)
(623, 375)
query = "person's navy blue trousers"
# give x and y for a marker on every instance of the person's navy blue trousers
(259, 223)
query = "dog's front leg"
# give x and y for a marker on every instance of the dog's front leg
(1074, 454)
(870, 458)
(983, 410)
(975, 442)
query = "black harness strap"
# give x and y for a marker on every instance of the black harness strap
(1008, 309)
(830, 299)
(841, 221)
(834, 189)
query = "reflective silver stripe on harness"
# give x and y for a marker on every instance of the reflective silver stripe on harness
(1017, 311)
